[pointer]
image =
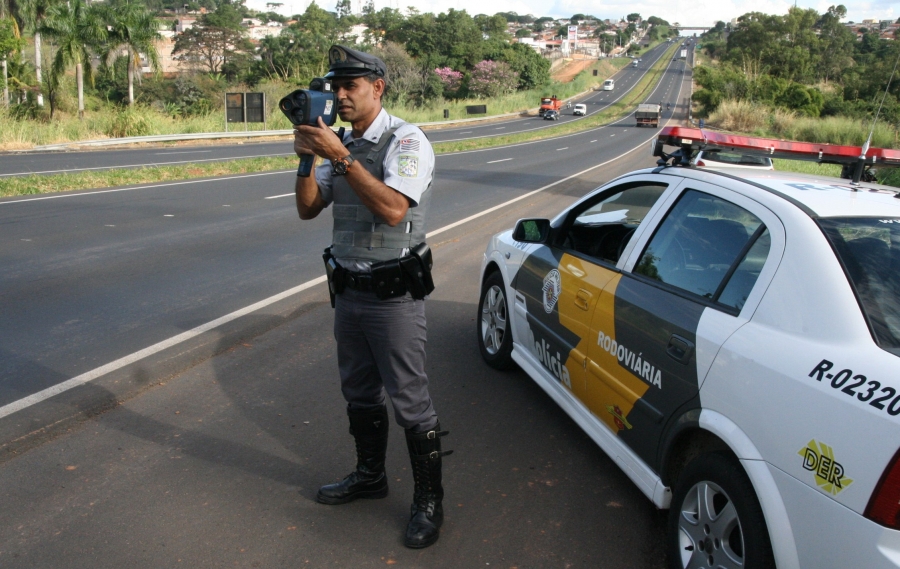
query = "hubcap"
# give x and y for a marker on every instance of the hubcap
(709, 530)
(493, 319)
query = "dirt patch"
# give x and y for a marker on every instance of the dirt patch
(568, 71)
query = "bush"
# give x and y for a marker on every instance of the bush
(132, 121)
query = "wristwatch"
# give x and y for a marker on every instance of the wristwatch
(340, 166)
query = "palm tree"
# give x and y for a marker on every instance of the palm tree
(10, 42)
(75, 27)
(33, 13)
(131, 27)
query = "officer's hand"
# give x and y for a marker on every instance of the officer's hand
(301, 146)
(319, 140)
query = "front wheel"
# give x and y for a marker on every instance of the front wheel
(493, 324)
(715, 519)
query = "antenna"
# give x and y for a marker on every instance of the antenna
(857, 173)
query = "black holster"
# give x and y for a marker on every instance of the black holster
(335, 274)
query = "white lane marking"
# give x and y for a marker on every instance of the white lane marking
(595, 140)
(144, 187)
(467, 132)
(281, 196)
(149, 351)
(226, 205)
(109, 226)
(89, 376)
(500, 128)
(143, 165)
(184, 152)
(495, 161)
(566, 148)
(168, 215)
(25, 239)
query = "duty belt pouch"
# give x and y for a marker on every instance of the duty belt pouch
(387, 279)
(417, 271)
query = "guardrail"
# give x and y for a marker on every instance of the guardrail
(218, 135)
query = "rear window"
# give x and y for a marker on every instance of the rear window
(869, 249)
(737, 159)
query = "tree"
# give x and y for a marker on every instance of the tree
(132, 28)
(207, 47)
(10, 44)
(33, 13)
(633, 17)
(76, 28)
(491, 79)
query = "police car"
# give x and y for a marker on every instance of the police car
(731, 340)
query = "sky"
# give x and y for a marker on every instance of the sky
(685, 12)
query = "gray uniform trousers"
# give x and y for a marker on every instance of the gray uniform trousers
(381, 347)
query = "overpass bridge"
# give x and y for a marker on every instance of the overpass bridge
(697, 28)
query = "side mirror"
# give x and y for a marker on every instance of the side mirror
(532, 230)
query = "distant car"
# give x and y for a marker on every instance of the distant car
(580, 109)
(551, 115)
(715, 160)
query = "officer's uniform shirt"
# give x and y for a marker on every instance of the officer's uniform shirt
(408, 166)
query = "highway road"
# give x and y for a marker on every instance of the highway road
(22, 163)
(206, 298)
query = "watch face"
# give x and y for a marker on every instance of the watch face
(340, 167)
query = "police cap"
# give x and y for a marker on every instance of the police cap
(346, 62)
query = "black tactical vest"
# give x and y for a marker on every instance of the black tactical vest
(358, 234)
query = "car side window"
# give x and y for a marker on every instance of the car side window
(709, 247)
(601, 228)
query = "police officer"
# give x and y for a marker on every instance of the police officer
(378, 182)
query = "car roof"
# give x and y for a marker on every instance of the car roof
(820, 196)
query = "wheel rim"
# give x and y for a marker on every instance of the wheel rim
(493, 319)
(709, 529)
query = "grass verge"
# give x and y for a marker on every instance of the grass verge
(40, 184)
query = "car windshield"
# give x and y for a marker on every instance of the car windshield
(869, 249)
(737, 159)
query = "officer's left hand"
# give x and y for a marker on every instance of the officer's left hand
(319, 140)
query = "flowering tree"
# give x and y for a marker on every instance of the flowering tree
(451, 80)
(492, 78)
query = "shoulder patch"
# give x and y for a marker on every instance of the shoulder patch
(409, 145)
(408, 166)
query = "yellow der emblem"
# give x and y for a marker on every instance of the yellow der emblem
(818, 458)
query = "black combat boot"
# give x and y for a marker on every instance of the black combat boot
(370, 431)
(427, 513)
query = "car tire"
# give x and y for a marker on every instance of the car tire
(493, 324)
(715, 519)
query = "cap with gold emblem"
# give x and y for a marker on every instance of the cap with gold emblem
(346, 62)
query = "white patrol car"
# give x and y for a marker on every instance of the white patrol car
(731, 340)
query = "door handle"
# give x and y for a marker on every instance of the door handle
(583, 299)
(680, 349)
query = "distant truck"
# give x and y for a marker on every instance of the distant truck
(549, 104)
(684, 54)
(648, 115)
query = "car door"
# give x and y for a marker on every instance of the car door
(650, 351)
(558, 284)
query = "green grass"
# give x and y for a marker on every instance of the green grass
(804, 167)
(37, 184)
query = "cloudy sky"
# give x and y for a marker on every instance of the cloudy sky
(685, 12)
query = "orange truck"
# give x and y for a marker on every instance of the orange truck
(549, 104)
